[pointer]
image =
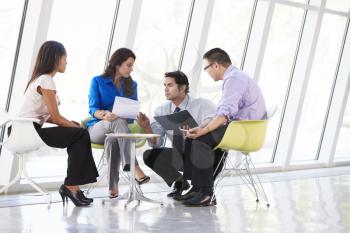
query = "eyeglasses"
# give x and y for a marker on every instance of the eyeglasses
(208, 66)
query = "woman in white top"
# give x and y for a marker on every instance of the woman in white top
(41, 102)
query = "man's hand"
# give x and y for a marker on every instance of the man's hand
(143, 121)
(184, 130)
(195, 132)
(212, 125)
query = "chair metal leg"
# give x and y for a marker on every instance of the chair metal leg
(246, 171)
(260, 189)
(99, 168)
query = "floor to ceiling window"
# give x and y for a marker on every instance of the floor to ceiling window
(10, 19)
(84, 32)
(277, 67)
(343, 146)
(229, 32)
(158, 41)
(261, 36)
(319, 87)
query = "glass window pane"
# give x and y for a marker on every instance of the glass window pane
(10, 20)
(233, 29)
(319, 88)
(339, 5)
(276, 68)
(343, 146)
(86, 40)
(299, 1)
(85, 34)
(158, 44)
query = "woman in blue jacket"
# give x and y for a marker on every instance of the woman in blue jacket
(115, 81)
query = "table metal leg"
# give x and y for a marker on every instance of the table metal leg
(134, 193)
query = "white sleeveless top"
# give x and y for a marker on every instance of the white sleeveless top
(33, 105)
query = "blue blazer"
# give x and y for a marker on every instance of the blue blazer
(102, 94)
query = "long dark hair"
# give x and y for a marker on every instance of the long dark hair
(47, 60)
(117, 58)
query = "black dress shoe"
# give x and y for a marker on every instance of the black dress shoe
(83, 197)
(74, 196)
(126, 168)
(201, 199)
(178, 188)
(191, 193)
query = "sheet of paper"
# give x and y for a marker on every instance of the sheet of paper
(126, 108)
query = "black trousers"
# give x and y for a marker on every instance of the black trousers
(200, 157)
(81, 165)
(167, 163)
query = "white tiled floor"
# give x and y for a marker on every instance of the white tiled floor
(301, 201)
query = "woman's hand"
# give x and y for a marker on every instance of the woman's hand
(109, 116)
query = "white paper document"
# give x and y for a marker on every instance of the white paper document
(126, 108)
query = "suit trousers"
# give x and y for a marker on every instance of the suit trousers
(165, 162)
(200, 158)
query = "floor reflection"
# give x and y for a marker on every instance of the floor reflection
(319, 204)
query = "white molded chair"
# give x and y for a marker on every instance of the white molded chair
(22, 141)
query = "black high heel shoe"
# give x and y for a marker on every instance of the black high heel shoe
(83, 197)
(74, 196)
(143, 180)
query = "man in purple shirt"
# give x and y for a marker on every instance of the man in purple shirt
(241, 99)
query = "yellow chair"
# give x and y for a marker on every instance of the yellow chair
(245, 136)
(134, 128)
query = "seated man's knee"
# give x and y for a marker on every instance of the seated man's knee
(83, 134)
(202, 156)
(147, 157)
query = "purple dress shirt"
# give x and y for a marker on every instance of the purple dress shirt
(241, 97)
